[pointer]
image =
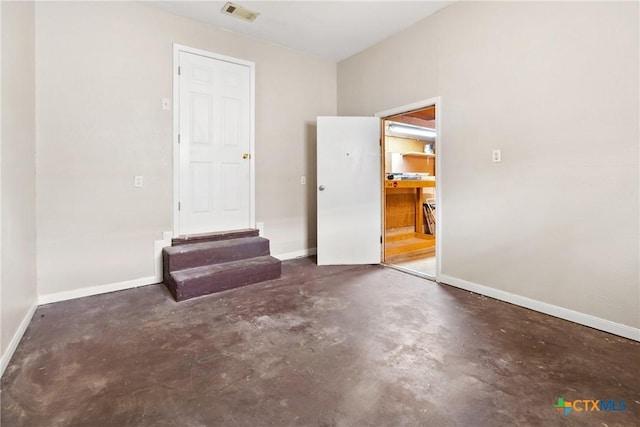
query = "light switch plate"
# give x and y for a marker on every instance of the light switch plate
(138, 181)
(497, 155)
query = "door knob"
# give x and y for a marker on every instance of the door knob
(321, 188)
(246, 156)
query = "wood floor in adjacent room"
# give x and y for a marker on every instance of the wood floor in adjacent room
(421, 261)
(321, 346)
(411, 251)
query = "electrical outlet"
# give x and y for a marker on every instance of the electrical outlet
(303, 180)
(138, 181)
(497, 155)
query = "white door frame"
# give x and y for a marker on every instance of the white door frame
(418, 106)
(176, 127)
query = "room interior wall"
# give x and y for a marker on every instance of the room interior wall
(18, 291)
(396, 162)
(101, 71)
(554, 85)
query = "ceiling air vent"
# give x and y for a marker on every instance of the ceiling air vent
(239, 12)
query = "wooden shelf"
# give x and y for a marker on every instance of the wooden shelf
(418, 154)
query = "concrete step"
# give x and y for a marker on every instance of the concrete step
(213, 252)
(208, 279)
(213, 237)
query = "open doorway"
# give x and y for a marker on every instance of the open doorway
(410, 173)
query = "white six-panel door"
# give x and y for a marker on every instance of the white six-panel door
(349, 195)
(214, 144)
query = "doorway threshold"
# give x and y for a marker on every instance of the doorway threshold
(410, 271)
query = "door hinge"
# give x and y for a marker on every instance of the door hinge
(179, 70)
(178, 138)
(380, 238)
(178, 205)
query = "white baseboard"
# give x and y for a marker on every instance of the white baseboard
(158, 245)
(543, 307)
(15, 340)
(295, 254)
(96, 290)
(143, 281)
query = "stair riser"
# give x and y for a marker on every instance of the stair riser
(210, 256)
(222, 281)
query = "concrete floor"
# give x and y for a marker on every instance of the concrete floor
(322, 346)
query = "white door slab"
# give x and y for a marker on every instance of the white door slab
(349, 195)
(214, 144)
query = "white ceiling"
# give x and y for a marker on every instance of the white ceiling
(331, 30)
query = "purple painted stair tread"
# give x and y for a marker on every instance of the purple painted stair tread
(218, 244)
(208, 270)
(212, 237)
(199, 254)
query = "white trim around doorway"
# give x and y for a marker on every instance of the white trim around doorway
(418, 106)
(177, 48)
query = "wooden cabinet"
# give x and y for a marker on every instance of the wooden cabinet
(404, 216)
(403, 211)
(403, 204)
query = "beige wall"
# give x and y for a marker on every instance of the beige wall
(18, 272)
(102, 69)
(555, 86)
